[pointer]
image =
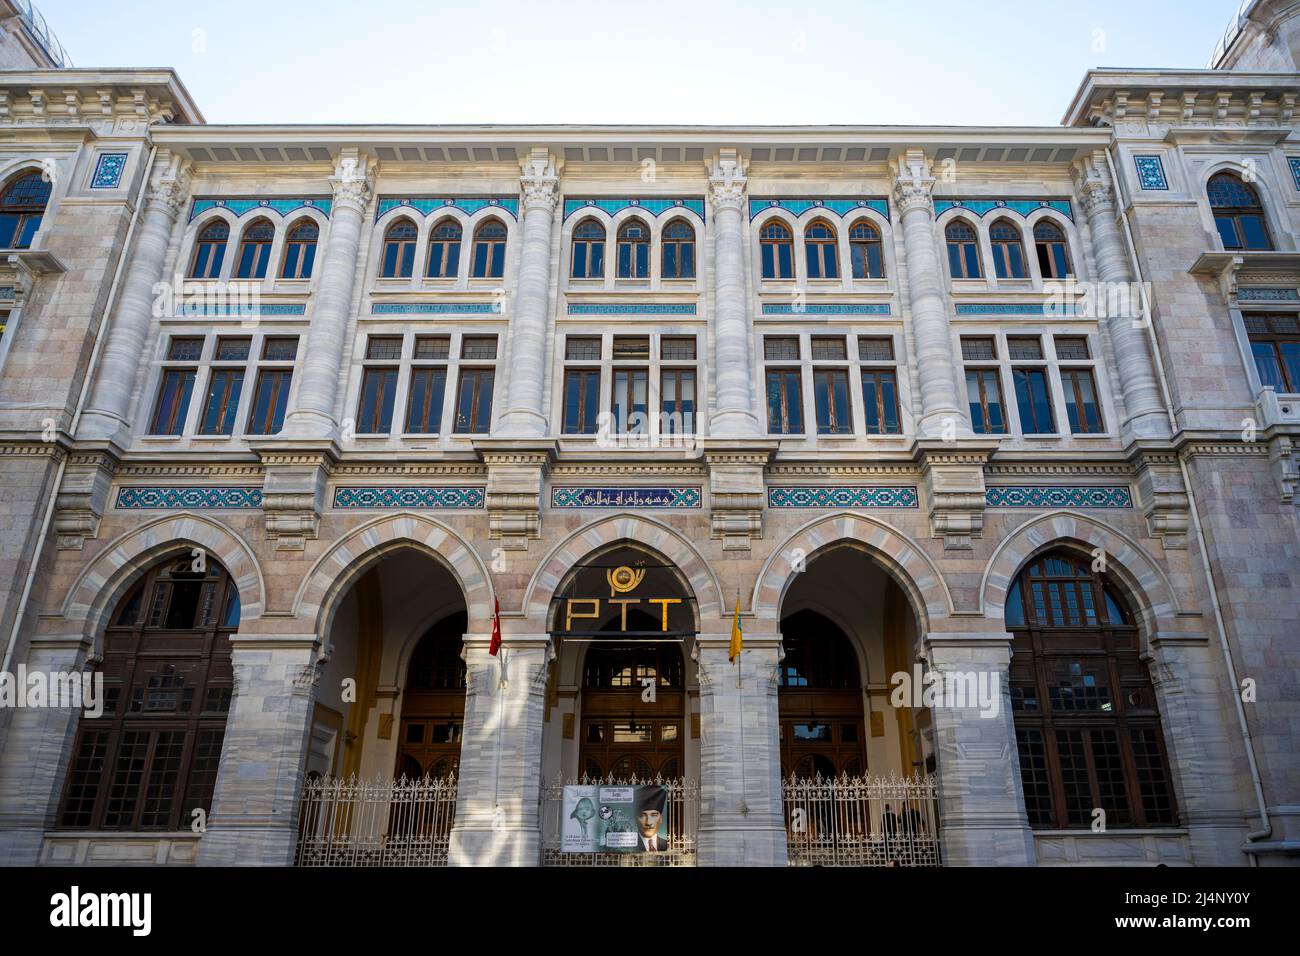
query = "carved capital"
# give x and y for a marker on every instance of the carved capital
(727, 182)
(1092, 180)
(170, 189)
(351, 181)
(539, 182)
(915, 183)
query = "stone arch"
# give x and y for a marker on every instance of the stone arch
(613, 530)
(324, 586)
(104, 581)
(190, 238)
(1150, 594)
(1073, 242)
(1258, 179)
(902, 558)
(882, 226)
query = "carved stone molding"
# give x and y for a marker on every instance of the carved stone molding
(915, 183)
(727, 181)
(293, 489)
(351, 180)
(1284, 456)
(539, 183)
(953, 476)
(517, 472)
(82, 498)
(737, 490)
(1163, 496)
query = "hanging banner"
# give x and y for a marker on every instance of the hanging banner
(597, 819)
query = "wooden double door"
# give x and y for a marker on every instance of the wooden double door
(622, 734)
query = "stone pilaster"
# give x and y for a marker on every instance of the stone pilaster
(1135, 367)
(525, 412)
(254, 817)
(742, 822)
(311, 414)
(736, 489)
(517, 473)
(105, 418)
(982, 819)
(293, 488)
(1162, 495)
(952, 473)
(941, 411)
(499, 787)
(733, 380)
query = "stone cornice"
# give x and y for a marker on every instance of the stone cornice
(32, 449)
(101, 99)
(815, 470)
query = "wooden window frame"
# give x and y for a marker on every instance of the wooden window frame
(29, 215)
(253, 256)
(1234, 214)
(960, 249)
(448, 246)
(823, 250)
(770, 249)
(678, 244)
(861, 248)
(403, 251)
(1047, 248)
(490, 251)
(638, 250)
(588, 250)
(210, 253)
(1003, 260)
(302, 251)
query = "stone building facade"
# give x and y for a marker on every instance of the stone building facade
(282, 408)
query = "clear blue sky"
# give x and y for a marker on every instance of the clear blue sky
(979, 62)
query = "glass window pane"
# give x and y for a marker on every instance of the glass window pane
(424, 405)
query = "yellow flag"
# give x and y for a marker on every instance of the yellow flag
(737, 642)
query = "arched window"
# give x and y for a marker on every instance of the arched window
(1087, 726)
(634, 250)
(820, 700)
(489, 250)
(1008, 253)
(963, 251)
(151, 759)
(300, 250)
(777, 248)
(433, 702)
(588, 250)
(21, 206)
(1238, 213)
(865, 251)
(210, 250)
(255, 250)
(678, 250)
(1053, 254)
(399, 250)
(444, 250)
(821, 251)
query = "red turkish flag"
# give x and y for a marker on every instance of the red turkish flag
(496, 630)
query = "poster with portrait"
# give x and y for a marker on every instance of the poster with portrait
(596, 819)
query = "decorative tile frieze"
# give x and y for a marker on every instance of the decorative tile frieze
(672, 496)
(108, 170)
(827, 308)
(1059, 496)
(217, 310)
(655, 207)
(429, 205)
(1151, 172)
(623, 308)
(1259, 294)
(434, 308)
(7, 292)
(241, 207)
(1048, 308)
(408, 496)
(1021, 207)
(162, 497)
(831, 496)
(1294, 163)
(839, 207)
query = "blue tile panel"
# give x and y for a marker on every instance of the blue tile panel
(1294, 162)
(1048, 309)
(631, 497)
(108, 170)
(841, 496)
(434, 308)
(1151, 172)
(787, 308)
(840, 207)
(1058, 496)
(1258, 294)
(655, 207)
(242, 207)
(214, 310)
(7, 292)
(1022, 207)
(428, 205)
(409, 497)
(151, 497)
(618, 308)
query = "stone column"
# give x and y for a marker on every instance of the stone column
(525, 413)
(942, 414)
(1134, 365)
(733, 380)
(982, 819)
(254, 816)
(741, 818)
(105, 418)
(499, 789)
(312, 413)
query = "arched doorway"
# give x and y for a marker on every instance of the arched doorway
(820, 700)
(433, 703)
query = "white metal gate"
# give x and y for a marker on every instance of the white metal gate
(380, 822)
(681, 814)
(862, 821)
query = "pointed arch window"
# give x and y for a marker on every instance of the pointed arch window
(963, 251)
(865, 251)
(489, 250)
(1238, 213)
(22, 205)
(444, 250)
(1053, 253)
(678, 251)
(300, 250)
(1008, 252)
(210, 250)
(399, 250)
(1087, 726)
(821, 251)
(255, 250)
(634, 250)
(777, 248)
(588, 250)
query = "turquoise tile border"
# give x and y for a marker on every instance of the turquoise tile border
(570, 496)
(428, 205)
(409, 496)
(621, 308)
(1294, 163)
(1059, 496)
(203, 309)
(840, 207)
(787, 308)
(169, 497)
(241, 207)
(1022, 207)
(655, 207)
(841, 496)
(1259, 294)
(1046, 309)
(434, 308)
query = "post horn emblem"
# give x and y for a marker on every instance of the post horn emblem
(623, 579)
